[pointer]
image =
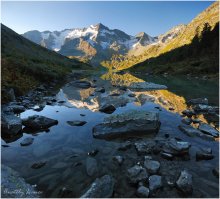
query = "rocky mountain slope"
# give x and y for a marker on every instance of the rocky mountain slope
(115, 49)
(95, 43)
(26, 64)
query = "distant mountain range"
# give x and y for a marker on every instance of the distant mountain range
(100, 45)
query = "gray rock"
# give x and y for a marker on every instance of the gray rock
(205, 108)
(155, 182)
(107, 108)
(13, 186)
(145, 86)
(188, 113)
(137, 173)
(167, 156)
(91, 166)
(27, 141)
(190, 131)
(101, 90)
(187, 121)
(143, 192)
(203, 156)
(146, 98)
(76, 123)
(119, 159)
(131, 95)
(16, 108)
(184, 183)
(199, 101)
(208, 130)
(132, 123)
(195, 121)
(81, 84)
(10, 124)
(145, 147)
(152, 166)
(179, 147)
(101, 188)
(38, 122)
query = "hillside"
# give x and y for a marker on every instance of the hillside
(201, 56)
(26, 64)
(178, 36)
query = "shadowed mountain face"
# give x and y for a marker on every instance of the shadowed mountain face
(26, 65)
(96, 43)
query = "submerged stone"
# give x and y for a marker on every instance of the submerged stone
(91, 166)
(155, 182)
(143, 192)
(137, 173)
(130, 123)
(76, 123)
(184, 183)
(27, 141)
(100, 188)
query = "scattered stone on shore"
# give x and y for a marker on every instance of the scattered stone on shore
(152, 166)
(207, 129)
(215, 172)
(199, 101)
(101, 188)
(39, 122)
(191, 131)
(100, 90)
(81, 84)
(143, 192)
(186, 121)
(205, 108)
(16, 108)
(119, 159)
(203, 156)
(11, 181)
(131, 95)
(27, 141)
(188, 113)
(10, 124)
(136, 174)
(145, 86)
(144, 147)
(132, 123)
(167, 156)
(107, 108)
(91, 166)
(184, 183)
(38, 165)
(155, 183)
(76, 123)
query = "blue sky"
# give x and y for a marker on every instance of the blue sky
(152, 17)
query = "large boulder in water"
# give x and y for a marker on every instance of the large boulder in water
(100, 188)
(130, 123)
(39, 122)
(10, 124)
(13, 186)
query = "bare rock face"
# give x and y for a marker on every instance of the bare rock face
(130, 123)
(100, 188)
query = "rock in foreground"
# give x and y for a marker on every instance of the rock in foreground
(38, 122)
(184, 183)
(130, 123)
(13, 186)
(100, 188)
(10, 124)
